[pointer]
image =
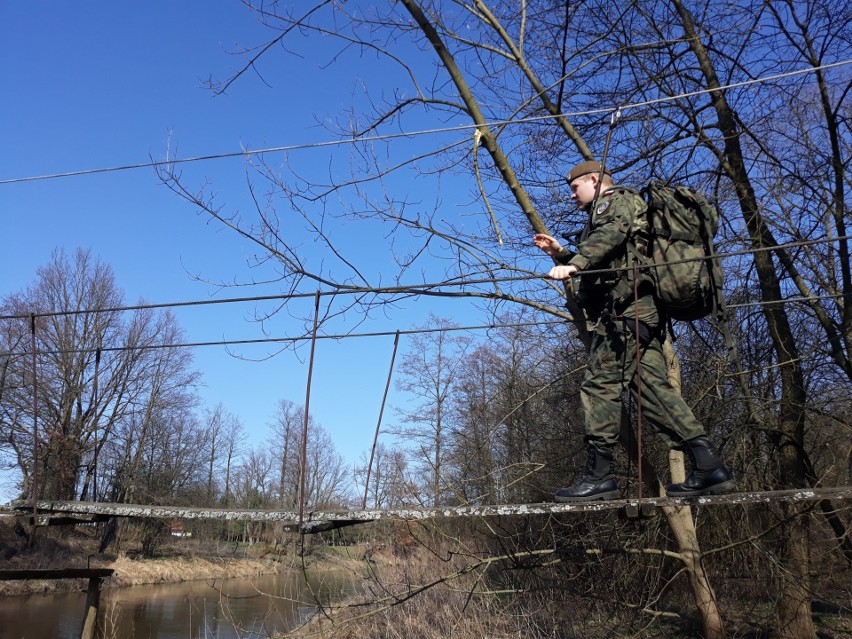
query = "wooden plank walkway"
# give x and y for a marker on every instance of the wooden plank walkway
(319, 520)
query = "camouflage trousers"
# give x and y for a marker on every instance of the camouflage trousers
(612, 361)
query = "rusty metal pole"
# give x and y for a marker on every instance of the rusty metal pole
(302, 461)
(379, 423)
(638, 374)
(34, 483)
(95, 418)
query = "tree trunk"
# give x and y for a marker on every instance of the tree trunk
(794, 606)
(683, 526)
(794, 613)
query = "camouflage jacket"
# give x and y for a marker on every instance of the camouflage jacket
(617, 213)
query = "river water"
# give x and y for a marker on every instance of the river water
(225, 609)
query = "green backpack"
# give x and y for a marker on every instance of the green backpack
(678, 250)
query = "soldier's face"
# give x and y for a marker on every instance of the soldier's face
(583, 189)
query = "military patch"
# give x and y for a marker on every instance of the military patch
(603, 206)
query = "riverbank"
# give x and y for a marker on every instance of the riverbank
(426, 582)
(177, 560)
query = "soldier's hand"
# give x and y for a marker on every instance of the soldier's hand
(562, 272)
(548, 244)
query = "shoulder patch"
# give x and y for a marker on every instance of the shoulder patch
(602, 207)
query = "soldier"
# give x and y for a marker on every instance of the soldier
(613, 310)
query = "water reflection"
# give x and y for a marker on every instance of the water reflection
(225, 609)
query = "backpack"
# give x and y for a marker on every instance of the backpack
(678, 250)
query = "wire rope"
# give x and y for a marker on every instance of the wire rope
(411, 134)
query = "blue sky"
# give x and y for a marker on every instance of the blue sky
(95, 84)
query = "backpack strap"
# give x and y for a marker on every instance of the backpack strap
(636, 254)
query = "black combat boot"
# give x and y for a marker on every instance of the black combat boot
(597, 481)
(708, 475)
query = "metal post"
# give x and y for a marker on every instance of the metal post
(34, 483)
(638, 374)
(379, 423)
(302, 461)
(95, 418)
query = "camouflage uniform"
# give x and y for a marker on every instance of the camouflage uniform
(611, 303)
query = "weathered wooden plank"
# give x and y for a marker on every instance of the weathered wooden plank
(55, 573)
(315, 521)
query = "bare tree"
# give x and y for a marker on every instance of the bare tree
(95, 372)
(325, 478)
(518, 414)
(287, 428)
(428, 373)
(223, 433)
(254, 487)
(389, 485)
(235, 439)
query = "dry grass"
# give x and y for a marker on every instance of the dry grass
(133, 572)
(421, 594)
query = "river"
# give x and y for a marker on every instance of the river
(225, 609)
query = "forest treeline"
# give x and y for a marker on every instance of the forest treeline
(748, 103)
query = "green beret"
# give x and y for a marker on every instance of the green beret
(584, 168)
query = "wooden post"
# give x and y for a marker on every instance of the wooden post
(93, 598)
